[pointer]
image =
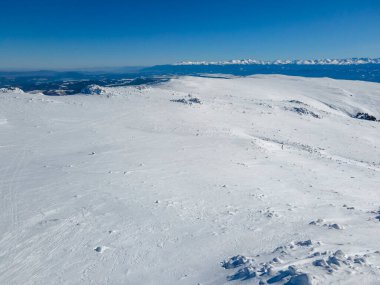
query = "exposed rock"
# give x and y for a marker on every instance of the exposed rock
(365, 116)
(360, 260)
(320, 222)
(303, 111)
(304, 243)
(297, 102)
(333, 260)
(235, 261)
(243, 274)
(195, 101)
(301, 279)
(316, 222)
(190, 101)
(100, 249)
(336, 226)
(320, 262)
(292, 270)
(281, 275)
(183, 101)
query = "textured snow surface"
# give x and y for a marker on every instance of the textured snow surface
(269, 179)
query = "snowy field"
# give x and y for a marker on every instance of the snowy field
(264, 179)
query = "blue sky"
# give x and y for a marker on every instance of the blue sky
(91, 33)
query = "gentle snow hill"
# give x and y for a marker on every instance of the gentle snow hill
(196, 180)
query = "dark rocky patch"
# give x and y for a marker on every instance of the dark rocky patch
(303, 111)
(234, 261)
(377, 213)
(301, 279)
(183, 101)
(243, 274)
(365, 116)
(297, 102)
(195, 101)
(190, 101)
(305, 243)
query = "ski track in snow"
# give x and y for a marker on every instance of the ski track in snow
(160, 184)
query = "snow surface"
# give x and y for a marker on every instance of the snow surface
(134, 186)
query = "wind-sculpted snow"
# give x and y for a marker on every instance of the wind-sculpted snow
(255, 180)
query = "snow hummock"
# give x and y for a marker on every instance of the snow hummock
(346, 61)
(271, 179)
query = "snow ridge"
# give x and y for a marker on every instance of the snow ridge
(346, 61)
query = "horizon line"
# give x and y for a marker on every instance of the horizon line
(182, 62)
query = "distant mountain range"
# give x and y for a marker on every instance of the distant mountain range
(68, 82)
(346, 61)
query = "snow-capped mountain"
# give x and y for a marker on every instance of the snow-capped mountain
(346, 61)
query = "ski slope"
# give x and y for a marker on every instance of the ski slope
(145, 185)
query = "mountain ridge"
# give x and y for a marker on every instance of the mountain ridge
(345, 61)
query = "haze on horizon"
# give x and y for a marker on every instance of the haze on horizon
(72, 34)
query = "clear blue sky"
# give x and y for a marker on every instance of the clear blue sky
(89, 33)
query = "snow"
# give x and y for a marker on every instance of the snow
(131, 187)
(94, 89)
(345, 61)
(11, 90)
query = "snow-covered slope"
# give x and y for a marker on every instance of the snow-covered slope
(165, 184)
(346, 61)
